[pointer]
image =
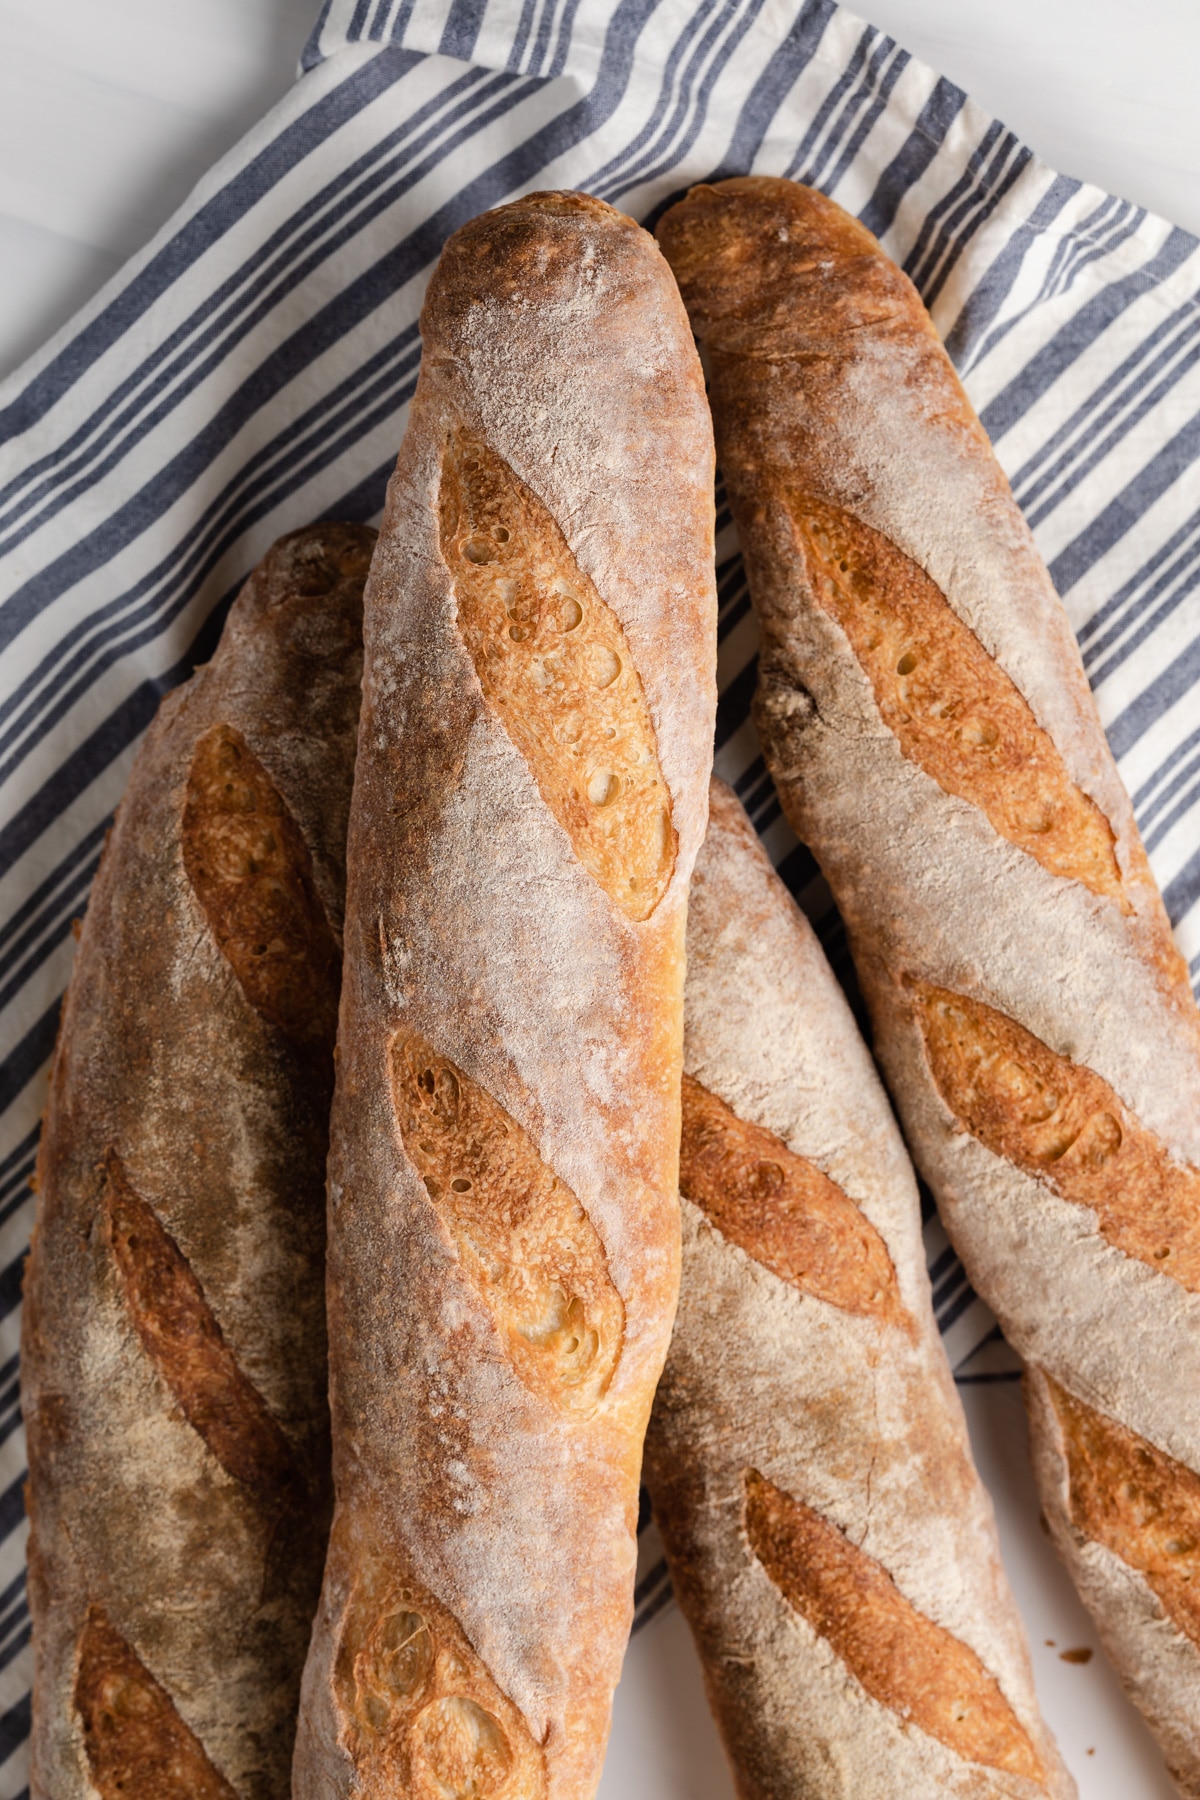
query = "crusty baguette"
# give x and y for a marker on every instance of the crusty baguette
(924, 711)
(828, 1537)
(539, 697)
(173, 1351)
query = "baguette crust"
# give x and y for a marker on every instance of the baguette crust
(867, 498)
(828, 1537)
(173, 1351)
(505, 1132)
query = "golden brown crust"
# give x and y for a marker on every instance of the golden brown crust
(833, 398)
(529, 1247)
(832, 1404)
(512, 1010)
(185, 1342)
(1127, 1494)
(137, 1746)
(901, 1658)
(421, 1713)
(173, 1341)
(1061, 1122)
(825, 373)
(552, 659)
(951, 706)
(743, 252)
(252, 874)
(782, 1210)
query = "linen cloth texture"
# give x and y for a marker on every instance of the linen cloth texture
(250, 371)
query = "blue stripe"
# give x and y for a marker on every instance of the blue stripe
(1003, 175)
(771, 88)
(674, 148)
(956, 1309)
(733, 706)
(13, 1648)
(14, 1169)
(705, 24)
(196, 236)
(28, 1056)
(286, 257)
(1123, 511)
(1184, 791)
(311, 341)
(463, 20)
(868, 38)
(521, 38)
(1180, 895)
(11, 1279)
(311, 441)
(64, 880)
(1151, 794)
(326, 326)
(312, 53)
(651, 1611)
(1182, 593)
(911, 161)
(1169, 564)
(1079, 333)
(967, 184)
(970, 330)
(562, 50)
(1107, 427)
(880, 92)
(18, 1192)
(77, 771)
(1169, 687)
(14, 1729)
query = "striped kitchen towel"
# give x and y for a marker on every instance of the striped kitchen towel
(251, 369)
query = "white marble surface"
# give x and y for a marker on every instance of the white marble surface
(111, 109)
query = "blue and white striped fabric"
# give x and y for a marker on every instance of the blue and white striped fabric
(251, 369)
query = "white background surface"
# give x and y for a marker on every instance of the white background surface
(111, 109)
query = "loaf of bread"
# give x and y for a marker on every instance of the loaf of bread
(827, 1535)
(538, 707)
(173, 1366)
(924, 711)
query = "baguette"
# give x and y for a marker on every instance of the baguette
(924, 711)
(539, 698)
(173, 1349)
(828, 1538)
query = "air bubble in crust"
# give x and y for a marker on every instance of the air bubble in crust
(1099, 1140)
(978, 734)
(460, 1751)
(605, 667)
(402, 1653)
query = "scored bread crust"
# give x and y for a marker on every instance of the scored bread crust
(173, 1348)
(852, 1413)
(512, 1010)
(869, 505)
